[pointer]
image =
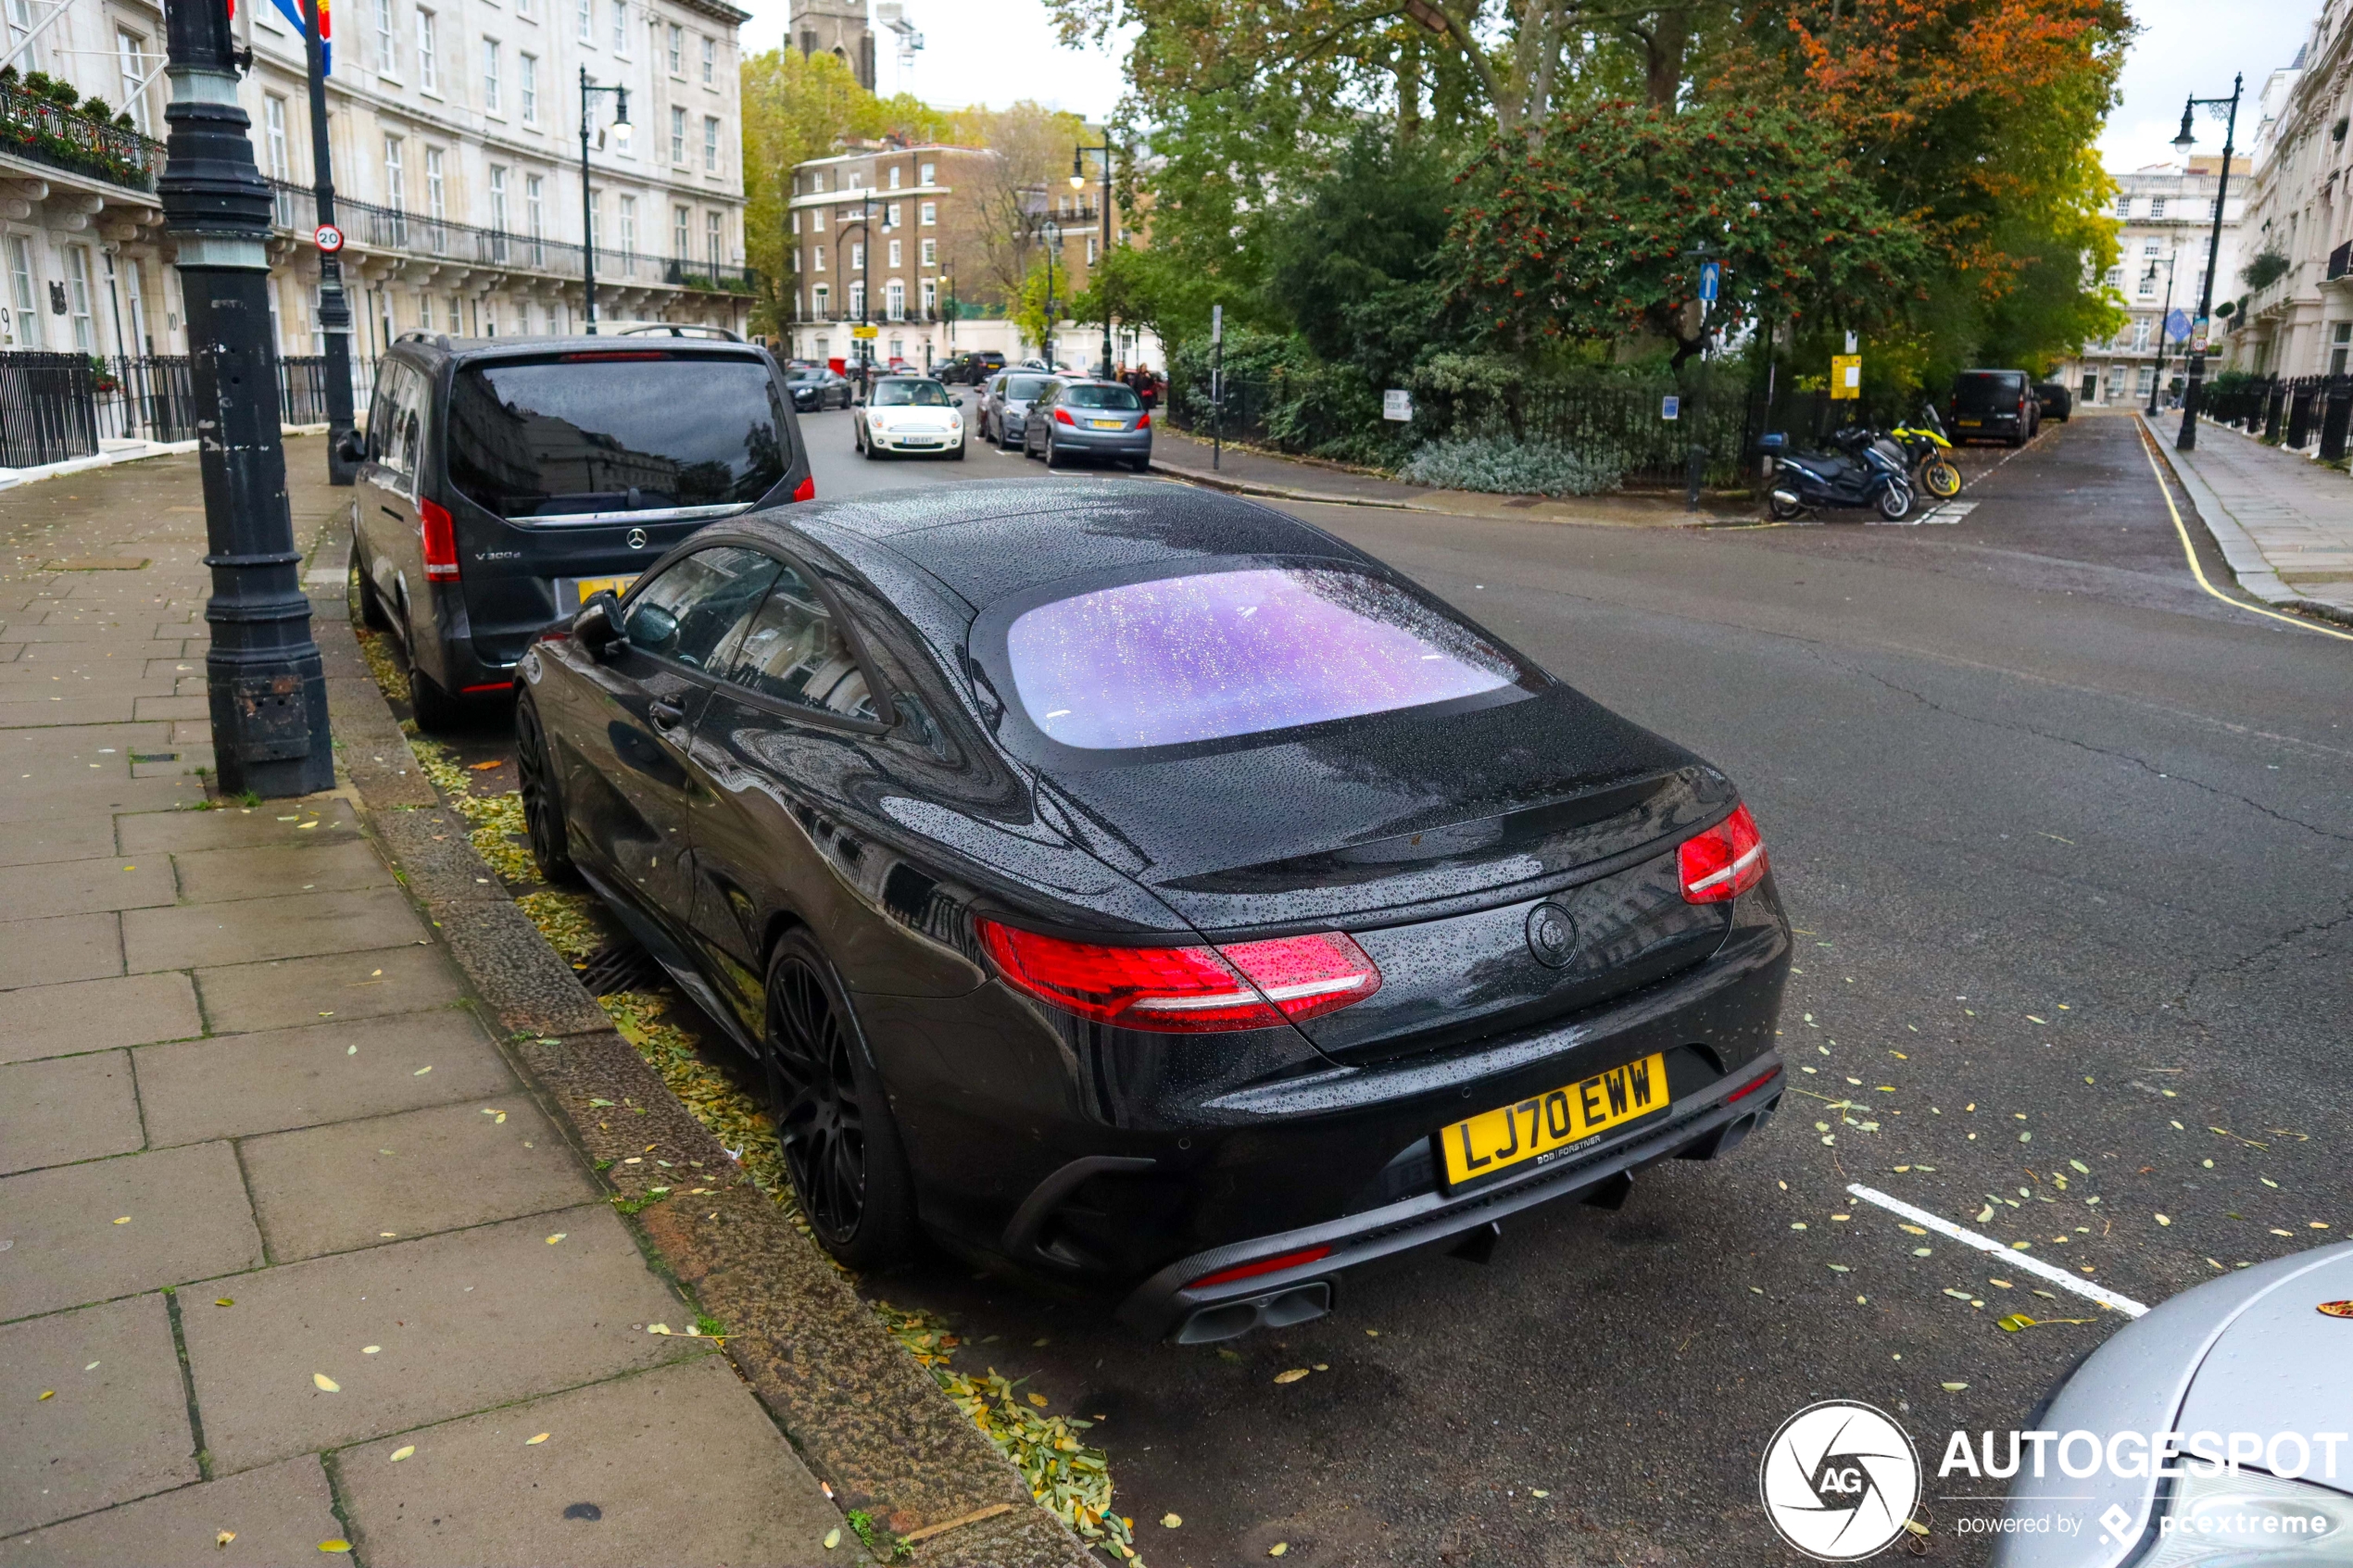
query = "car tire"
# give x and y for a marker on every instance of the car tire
(367, 607)
(841, 1147)
(545, 825)
(959, 452)
(1142, 464)
(1053, 459)
(435, 710)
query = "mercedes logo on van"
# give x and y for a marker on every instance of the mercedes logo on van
(637, 538)
(1551, 935)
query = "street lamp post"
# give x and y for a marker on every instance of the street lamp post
(334, 306)
(2187, 440)
(587, 201)
(1049, 233)
(1103, 256)
(265, 688)
(2157, 389)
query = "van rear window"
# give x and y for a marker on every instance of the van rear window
(1983, 391)
(557, 438)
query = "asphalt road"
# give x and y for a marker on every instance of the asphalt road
(2071, 854)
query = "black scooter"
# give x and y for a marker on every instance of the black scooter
(1876, 476)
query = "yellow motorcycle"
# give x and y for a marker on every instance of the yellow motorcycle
(1926, 448)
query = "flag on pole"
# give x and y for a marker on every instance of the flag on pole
(292, 11)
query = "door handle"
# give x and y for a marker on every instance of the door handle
(665, 712)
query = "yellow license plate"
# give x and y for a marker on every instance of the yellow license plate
(1969, 425)
(1542, 1125)
(592, 586)
(1108, 424)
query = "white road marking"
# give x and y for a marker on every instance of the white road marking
(2016, 1260)
(1951, 512)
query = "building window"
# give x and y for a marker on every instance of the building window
(428, 57)
(2149, 247)
(931, 298)
(25, 287)
(677, 50)
(78, 298)
(710, 143)
(628, 227)
(526, 9)
(817, 183)
(584, 15)
(2141, 335)
(457, 313)
(890, 212)
(383, 37)
(491, 103)
(534, 215)
(711, 62)
(858, 299)
(858, 257)
(2114, 278)
(498, 208)
(1091, 240)
(131, 54)
(817, 220)
(2148, 284)
(678, 135)
(2123, 207)
(437, 204)
(817, 258)
(894, 253)
(820, 297)
(621, 27)
(527, 86)
(22, 51)
(273, 120)
(396, 175)
(894, 177)
(929, 171)
(715, 240)
(928, 214)
(679, 216)
(931, 252)
(2157, 207)
(794, 221)
(2144, 381)
(2340, 346)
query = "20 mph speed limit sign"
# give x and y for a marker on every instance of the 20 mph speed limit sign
(330, 238)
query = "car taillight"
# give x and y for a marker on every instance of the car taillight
(1276, 1265)
(1723, 862)
(1186, 990)
(1061, 417)
(806, 490)
(1144, 423)
(441, 542)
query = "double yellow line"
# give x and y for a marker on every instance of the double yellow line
(2148, 450)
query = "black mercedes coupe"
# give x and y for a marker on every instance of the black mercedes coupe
(1145, 887)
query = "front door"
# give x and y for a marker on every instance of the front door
(635, 797)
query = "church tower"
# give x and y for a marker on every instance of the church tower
(839, 28)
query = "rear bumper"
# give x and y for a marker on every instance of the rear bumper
(1105, 443)
(1700, 1127)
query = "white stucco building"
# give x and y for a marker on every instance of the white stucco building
(2300, 211)
(2165, 222)
(455, 135)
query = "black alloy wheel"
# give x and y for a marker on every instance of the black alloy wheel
(435, 710)
(840, 1145)
(543, 800)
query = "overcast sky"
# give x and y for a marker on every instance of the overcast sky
(997, 51)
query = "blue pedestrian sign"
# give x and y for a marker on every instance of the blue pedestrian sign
(1711, 273)
(2177, 326)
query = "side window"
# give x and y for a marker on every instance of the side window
(698, 604)
(396, 403)
(795, 652)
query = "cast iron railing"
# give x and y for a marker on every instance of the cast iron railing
(33, 127)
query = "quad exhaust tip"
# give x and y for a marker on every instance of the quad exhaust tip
(1277, 1308)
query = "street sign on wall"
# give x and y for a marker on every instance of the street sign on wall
(868, 332)
(1846, 375)
(1670, 407)
(1397, 404)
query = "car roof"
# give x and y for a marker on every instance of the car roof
(440, 348)
(999, 537)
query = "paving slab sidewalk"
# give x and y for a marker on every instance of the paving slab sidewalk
(292, 1251)
(2283, 521)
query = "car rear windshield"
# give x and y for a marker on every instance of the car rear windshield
(1021, 389)
(1984, 389)
(1209, 657)
(920, 394)
(611, 434)
(1101, 397)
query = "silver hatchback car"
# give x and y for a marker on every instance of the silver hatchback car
(1077, 417)
(1004, 405)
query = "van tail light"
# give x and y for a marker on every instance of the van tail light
(1061, 417)
(1724, 862)
(806, 490)
(441, 542)
(1144, 423)
(1195, 990)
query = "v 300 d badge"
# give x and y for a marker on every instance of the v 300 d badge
(1152, 890)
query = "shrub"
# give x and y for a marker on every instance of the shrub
(1501, 465)
(2268, 267)
(98, 108)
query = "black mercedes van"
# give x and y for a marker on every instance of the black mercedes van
(503, 481)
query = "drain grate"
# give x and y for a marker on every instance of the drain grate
(619, 965)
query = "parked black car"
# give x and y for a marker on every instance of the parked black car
(1077, 417)
(815, 387)
(1147, 888)
(1993, 406)
(502, 481)
(2054, 400)
(972, 369)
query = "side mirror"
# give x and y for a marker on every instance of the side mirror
(351, 446)
(597, 626)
